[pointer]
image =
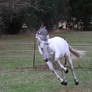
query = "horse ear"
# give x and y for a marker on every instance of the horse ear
(47, 36)
(44, 27)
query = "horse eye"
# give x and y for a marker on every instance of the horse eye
(39, 32)
(42, 49)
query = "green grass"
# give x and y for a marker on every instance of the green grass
(16, 62)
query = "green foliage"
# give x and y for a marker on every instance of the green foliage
(82, 10)
(45, 12)
(36, 12)
(12, 18)
(12, 22)
(13, 13)
(62, 9)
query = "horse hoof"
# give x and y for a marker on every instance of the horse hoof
(64, 82)
(76, 82)
(66, 71)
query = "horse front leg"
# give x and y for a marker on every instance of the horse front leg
(50, 65)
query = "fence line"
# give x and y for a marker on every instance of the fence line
(33, 49)
(14, 43)
(32, 43)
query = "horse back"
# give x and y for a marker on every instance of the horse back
(58, 45)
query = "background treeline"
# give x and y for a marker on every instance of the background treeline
(14, 13)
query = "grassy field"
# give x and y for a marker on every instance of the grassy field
(16, 62)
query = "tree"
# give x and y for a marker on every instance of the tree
(45, 12)
(82, 10)
(50, 12)
(33, 12)
(12, 17)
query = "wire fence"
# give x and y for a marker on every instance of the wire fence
(29, 51)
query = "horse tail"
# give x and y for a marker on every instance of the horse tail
(77, 53)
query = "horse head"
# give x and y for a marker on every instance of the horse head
(42, 34)
(42, 39)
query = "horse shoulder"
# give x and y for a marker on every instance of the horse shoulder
(58, 42)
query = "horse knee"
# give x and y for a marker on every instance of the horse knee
(51, 69)
(72, 68)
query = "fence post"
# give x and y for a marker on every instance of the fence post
(34, 53)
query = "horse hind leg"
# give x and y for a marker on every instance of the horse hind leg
(72, 69)
(50, 65)
(65, 63)
(62, 67)
(57, 59)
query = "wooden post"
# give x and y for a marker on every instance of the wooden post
(34, 53)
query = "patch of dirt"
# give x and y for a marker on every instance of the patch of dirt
(42, 67)
(72, 89)
(25, 69)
